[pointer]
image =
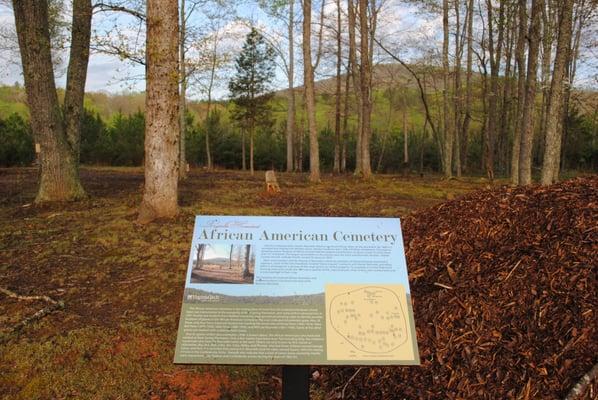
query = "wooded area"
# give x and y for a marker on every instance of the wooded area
(512, 109)
(363, 108)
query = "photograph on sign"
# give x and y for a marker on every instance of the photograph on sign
(297, 290)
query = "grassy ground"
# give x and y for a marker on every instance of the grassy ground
(122, 283)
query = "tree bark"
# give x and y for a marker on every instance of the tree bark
(291, 94)
(495, 56)
(457, 98)
(468, 84)
(162, 112)
(554, 115)
(337, 114)
(527, 132)
(521, 67)
(448, 134)
(59, 153)
(366, 100)
(214, 61)
(183, 94)
(308, 77)
(77, 72)
(251, 135)
(346, 119)
(356, 81)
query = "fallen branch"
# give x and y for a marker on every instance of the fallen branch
(54, 305)
(12, 294)
(580, 387)
(346, 384)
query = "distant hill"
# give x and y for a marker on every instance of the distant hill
(13, 99)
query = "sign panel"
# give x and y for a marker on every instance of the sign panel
(297, 290)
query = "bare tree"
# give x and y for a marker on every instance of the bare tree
(337, 106)
(527, 123)
(365, 76)
(162, 112)
(448, 134)
(308, 77)
(521, 68)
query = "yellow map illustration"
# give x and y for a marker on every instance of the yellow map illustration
(367, 322)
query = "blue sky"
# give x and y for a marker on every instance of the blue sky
(402, 26)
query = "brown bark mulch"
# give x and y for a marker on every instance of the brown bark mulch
(505, 294)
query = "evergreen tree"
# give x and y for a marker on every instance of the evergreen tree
(250, 87)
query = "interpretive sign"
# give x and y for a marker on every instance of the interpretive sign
(297, 290)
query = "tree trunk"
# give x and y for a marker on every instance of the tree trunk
(337, 114)
(495, 57)
(209, 162)
(247, 260)
(366, 100)
(162, 112)
(346, 119)
(468, 84)
(356, 81)
(77, 73)
(527, 132)
(521, 67)
(251, 135)
(405, 137)
(457, 98)
(448, 134)
(183, 94)
(506, 107)
(243, 157)
(291, 93)
(555, 111)
(59, 153)
(308, 77)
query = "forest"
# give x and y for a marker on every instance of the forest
(473, 121)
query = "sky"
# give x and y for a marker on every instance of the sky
(107, 73)
(401, 25)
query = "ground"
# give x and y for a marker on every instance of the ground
(122, 283)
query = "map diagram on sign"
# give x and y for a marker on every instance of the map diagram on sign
(367, 320)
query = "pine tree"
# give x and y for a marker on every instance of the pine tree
(250, 87)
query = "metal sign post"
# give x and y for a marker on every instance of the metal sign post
(295, 382)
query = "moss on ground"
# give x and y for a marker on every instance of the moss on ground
(122, 283)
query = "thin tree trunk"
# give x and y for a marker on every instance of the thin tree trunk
(527, 133)
(356, 82)
(547, 40)
(448, 134)
(365, 78)
(337, 115)
(243, 157)
(251, 135)
(468, 84)
(495, 57)
(457, 100)
(346, 119)
(291, 93)
(521, 68)
(183, 93)
(162, 112)
(59, 179)
(555, 110)
(405, 137)
(314, 151)
(506, 107)
(214, 62)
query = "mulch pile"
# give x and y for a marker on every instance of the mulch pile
(505, 292)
